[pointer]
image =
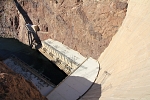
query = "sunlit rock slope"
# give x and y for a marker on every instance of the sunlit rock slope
(86, 26)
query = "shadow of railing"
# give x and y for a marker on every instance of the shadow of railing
(31, 33)
(76, 88)
(93, 93)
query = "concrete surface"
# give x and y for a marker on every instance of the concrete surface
(125, 63)
(64, 57)
(18, 67)
(83, 74)
(75, 85)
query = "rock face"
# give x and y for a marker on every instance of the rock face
(15, 87)
(9, 19)
(84, 25)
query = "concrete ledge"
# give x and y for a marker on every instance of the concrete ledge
(77, 83)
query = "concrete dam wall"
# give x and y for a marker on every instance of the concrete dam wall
(125, 63)
(81, 71)
(65, 58)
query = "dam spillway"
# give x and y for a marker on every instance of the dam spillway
(127, 59)
(65, 58)
(125, 62)
(82, 71)
(124, 65)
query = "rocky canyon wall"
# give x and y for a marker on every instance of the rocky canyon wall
(84, 25)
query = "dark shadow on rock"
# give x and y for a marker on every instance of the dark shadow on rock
(32, 35)
(23, 12)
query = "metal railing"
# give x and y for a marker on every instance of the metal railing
(61, 64)
(67, 69)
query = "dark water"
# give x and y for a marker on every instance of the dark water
(32, 57)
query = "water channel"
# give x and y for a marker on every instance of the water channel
(32, 57)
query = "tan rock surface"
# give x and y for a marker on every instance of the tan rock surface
(84, 25)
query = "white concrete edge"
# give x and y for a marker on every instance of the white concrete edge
(74, 75)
